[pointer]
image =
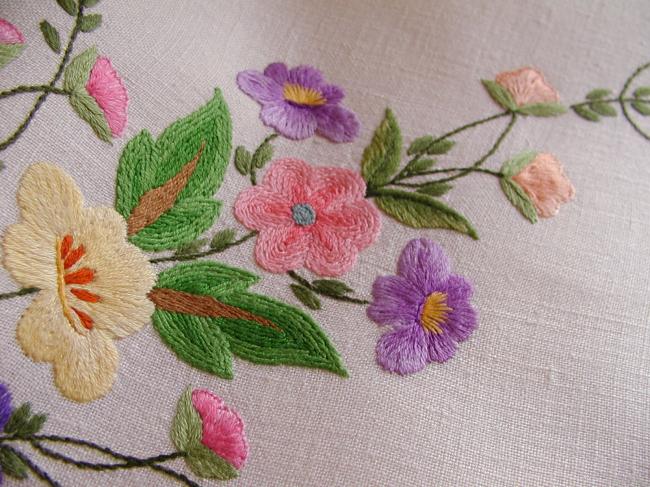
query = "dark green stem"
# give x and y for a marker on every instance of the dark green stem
(198, 255)
(21, 292)
(57, 75)
(624, 108)
(446, 170)
(304, 282)
(32, 89)
(36, 470)
(268, 138)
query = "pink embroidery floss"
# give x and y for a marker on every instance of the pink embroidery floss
(108, 90)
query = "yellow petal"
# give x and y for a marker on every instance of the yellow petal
(43, 331)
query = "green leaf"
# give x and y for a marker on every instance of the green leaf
(419, 165)
(434, 188)
(602, 108)
(267, 331)
(89, 3)
(196, 341)
(222, 239)
(188, 219)
(381, 158)
(499, 94)
(441, 147)
(206, 464)
(18, 420)
(419, 145)
(191, 247)
(51, 36)
(77, 72)
(598, 93)
(305, 296)
(642, 92)
(9, 52)
(519, 199)
(514, 166)
(331, 287)
(146, 164)
(262, 155)
(643, 107)
(90, 22)
(543, 109)
(90, 112)
(242, 160)
(584, 112)
(11, 464)
(34, 425)
(186, 430)
(419, 210)
(70, 6)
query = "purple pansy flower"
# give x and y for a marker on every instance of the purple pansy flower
(427, 306)
(298, 102)
(5, 412)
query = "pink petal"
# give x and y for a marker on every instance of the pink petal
(329, 254)
(258, 208)
(335, 185)
(528, 86)
(289, 178)
(9, 33)
(108, 90)
(357, 223)
(282, 248)
(223, 428)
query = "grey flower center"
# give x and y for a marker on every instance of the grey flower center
(303, 214)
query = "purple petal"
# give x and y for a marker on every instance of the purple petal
(5, 405)
(332, 93)
(403, 351)
(462, 320)
(259, 87)
(425, 264)
(337, 123)
(306, 76)
(278, 72)
(292, 122)
(395, 302)
(440, 348)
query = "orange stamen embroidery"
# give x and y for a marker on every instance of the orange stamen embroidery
(85, 295)
(82, 276)
(66, 245)
(74, 256)
(85, 319)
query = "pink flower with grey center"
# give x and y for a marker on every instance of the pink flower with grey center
(316, 217)
(528, 86)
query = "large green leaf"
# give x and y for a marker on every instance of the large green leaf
(381, 158)
(420, 210)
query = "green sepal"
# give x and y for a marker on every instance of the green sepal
(207, 464)
(543, 109)
(9, 52)
(186, 428)
(419, 210)
(434, 188)
(222, 239)
(513, 166)
(603, 108)
(51, 36)
(11, 464)
(70, 6)
(77, 72)
(381, 158)
(598, 94)
(89, 23)
(519, 199)
(585, 113)
(643, 107)
(242, 160)
(89, 111)
(500, 95)
(305, 296)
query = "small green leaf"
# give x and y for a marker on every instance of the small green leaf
(222, 239)
(419, 210)
(90, 112)
(262, 155)
(196, 341)
(419, 165)
(90, 22)
(598, 93)
(419, 145)
(602, 108)
(186, 430)
(206, 464)
(441, 147)
(242, 160)
(643, 107)
(543, 109)
(191, 247)
(434, 189)
(500, 95)
(514, 166)
(70, 6)
(51, 36)
(519, 199)
(331, 287)
(306, 296)
(77, 72)
(584, 112)
(642, 92)
(18, 419)
(9, 52)
(89, 3)
(34, 425)
(381, 158)
(12, 464)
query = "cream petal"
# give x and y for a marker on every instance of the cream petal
(87, 371)
(28, 253)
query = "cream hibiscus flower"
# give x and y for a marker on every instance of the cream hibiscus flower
(93, 283)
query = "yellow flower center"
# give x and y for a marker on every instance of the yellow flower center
(66, 258)
(300, 95)
(434, 312)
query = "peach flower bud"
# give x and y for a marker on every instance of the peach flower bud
(527, 86)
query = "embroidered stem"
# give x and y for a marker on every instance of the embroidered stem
(268, 139)
(447, 170)
(304, 282)
(21, 292)
(198, 255)
(57, 75)
(36, 470)
(32, 89)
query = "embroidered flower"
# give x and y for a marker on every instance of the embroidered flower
(313, 217)
(12, 42)
(93, 283)
(298, 102)
(545, 183)
(527, 86)
(427, 306)
(108, 90)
